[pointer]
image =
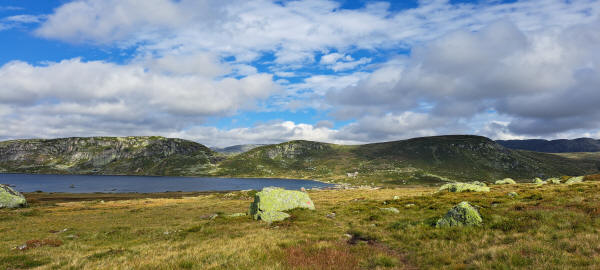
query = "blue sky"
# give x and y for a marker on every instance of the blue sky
(232, 72)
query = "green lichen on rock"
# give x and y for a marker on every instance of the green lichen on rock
(273, 216)
(506, 181)
(538, 181)
(512, 194)
(270, 202)
(463, 187)
(553, 180)
(10, 198)
(463, 214)
(574, 180)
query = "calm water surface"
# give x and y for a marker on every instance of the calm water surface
(143, 184)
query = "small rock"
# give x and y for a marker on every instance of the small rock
(347, 235)
(237, 215)
(390, 209)
(512, 194)
(396, 197)
(553, 180)
(478, 183)
(574, 180)
(506, 181)
(409, 205)
(538, 181)
(330, 215)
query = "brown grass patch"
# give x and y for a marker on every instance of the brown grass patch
(311, 257)
(592, 177)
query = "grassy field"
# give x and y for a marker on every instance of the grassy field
(545, 227)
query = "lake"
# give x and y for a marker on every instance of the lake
(144, 184)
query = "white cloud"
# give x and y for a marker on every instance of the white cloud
(24, 18)
(17, 21)
(93, 94)
(546, 81)
(293, 30)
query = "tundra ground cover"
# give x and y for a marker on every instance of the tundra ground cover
(549, 226)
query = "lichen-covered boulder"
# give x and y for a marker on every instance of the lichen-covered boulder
(479, 183)
(463, 214)
(506, 181)
(574, 180)
(10, 198)
(553, 180)
(463, 187)
(270, 202)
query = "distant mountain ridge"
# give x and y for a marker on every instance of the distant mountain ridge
(439, 158)
(419, 160)
(236, 149)
(554, 146)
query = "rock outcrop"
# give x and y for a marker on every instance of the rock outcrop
(270, 203)
(10, 198)
(463, 214)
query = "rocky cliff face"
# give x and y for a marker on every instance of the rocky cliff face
(106, 155)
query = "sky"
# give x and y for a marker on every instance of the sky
(235, 72)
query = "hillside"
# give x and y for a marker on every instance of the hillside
(415, 161)
(107, 155)
(554, 146)
(419, 160)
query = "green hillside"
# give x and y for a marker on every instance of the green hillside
(428, 159)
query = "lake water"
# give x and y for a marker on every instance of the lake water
(144, 184)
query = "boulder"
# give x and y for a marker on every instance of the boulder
(463, 187)
(553, 180)
(574, 180)
(10, 198)
(270, 202)
(506, 181)
(462, 214)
